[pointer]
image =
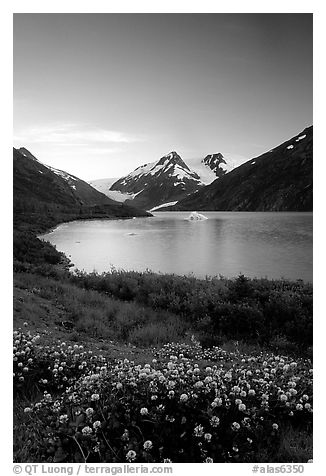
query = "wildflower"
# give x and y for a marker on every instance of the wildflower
(131, 455)
(119, 386)
(143, 411)
(199, 431)
(208, 437)
(228, 376)
(242, 407)
(209, 460)
(283, 397)
(214, 421)
(299, 407)
(95, 397)
(310, 461)
(63, 418)
(251, 392)
(167, 460)
(148, 445)
(125, 436)
(217, 402)
(96, 425)
(86, 431)
(183, 397)
(27, 410)
(89, 412)
(307, 406)
(235, 426)
(235, 449)
(275, 426)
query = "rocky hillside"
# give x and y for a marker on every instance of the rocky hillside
(279, 180)
(42, 192)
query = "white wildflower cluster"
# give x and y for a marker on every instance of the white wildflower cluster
(150, 410)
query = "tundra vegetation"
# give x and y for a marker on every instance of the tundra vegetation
(146, 367)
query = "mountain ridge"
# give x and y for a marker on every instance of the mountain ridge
(281, 179)
(169, 179)
(43, 194)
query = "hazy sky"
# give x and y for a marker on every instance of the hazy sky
(99, 94)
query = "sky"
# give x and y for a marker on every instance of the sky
(99, 94)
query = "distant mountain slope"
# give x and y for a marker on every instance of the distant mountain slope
(165, 181)
(42, 191)
(279, 180)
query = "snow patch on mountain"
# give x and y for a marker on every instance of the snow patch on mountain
(62, 174)
(169, 204)
(205, 174)
(70, 179)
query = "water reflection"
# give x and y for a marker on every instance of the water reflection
(257, 244)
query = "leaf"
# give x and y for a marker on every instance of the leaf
(79, 419)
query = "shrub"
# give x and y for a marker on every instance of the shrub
(243, 308)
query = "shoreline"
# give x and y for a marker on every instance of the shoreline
(53, 228)
(191, 274)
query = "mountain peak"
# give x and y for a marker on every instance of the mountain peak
(215, 159)
(174, 159)
(27, 153)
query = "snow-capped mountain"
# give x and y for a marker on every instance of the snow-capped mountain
(281, 179)
(165, 181)
(156, 183)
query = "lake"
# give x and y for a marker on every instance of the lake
(257, 244)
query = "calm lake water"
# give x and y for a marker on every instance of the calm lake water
(257, 244)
